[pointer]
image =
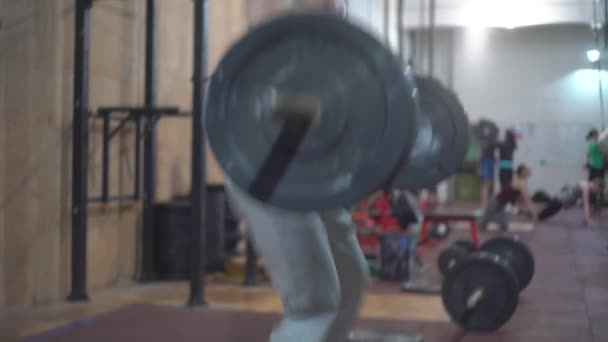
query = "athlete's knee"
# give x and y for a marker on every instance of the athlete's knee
(315, 297)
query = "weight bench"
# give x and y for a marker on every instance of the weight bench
(445, 216)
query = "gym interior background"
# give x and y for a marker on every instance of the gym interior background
(518, 63)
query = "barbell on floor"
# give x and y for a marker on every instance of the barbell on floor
(480, 293)
(310, 112)
(480, 290)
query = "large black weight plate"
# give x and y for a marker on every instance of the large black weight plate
(365, 127)
(449, 257)
(442, 140)
(487, 133)
(517, 254)
(499, 298)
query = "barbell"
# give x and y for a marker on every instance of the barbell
(310, 112)
(480, 290)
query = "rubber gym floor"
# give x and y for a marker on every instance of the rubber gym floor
(567, 301)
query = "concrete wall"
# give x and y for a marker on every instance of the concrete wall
(36, 61)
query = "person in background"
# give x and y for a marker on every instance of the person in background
(517, 191)
(587, 188)
(595, 158)
(567, 198)
(595, 165)
(506, 149)
(486, 171)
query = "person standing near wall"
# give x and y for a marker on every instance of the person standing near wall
(486, 171)
(595, 158)
(595, 163)
(506, 149)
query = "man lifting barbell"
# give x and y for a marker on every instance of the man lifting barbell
(313, 258)
(307, 116)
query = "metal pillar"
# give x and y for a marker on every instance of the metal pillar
(420, 37)
(251, 264)
(605, 25)
(600, 90)
(386, 26)
(149, 155)
(400, 14)
(199, 180)
(432, 9)
(105, 171)
(79, 151)
(137, 171)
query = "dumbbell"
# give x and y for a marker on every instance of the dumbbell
(481, 291)
(457, 251)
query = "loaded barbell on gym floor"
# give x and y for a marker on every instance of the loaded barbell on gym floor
(481, 290)
(480, 293)
(310, 112)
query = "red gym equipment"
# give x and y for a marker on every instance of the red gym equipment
(373, 219)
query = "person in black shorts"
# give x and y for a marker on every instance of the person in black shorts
(595, 157)
(486, 171)
(506, 149)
